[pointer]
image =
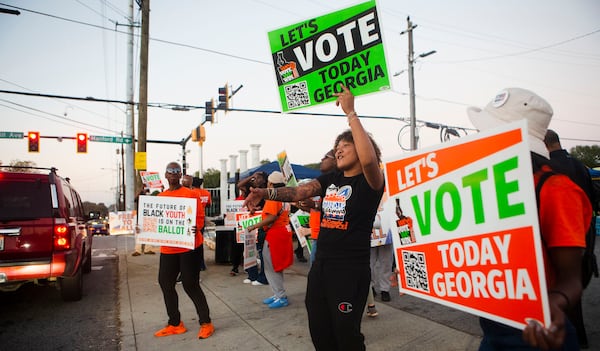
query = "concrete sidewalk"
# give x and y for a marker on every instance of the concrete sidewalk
(243, 322)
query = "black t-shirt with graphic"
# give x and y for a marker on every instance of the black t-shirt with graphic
(349, 206)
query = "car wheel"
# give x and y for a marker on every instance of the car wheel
(87, 265)
(71, 288)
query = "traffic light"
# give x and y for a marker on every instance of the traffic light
(199, 134)
(224, 98)
(209, 111)
(82, 140)
(33, 139)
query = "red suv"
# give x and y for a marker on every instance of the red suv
(43, 235)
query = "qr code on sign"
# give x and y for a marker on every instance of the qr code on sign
(415, 270)
(296, 95)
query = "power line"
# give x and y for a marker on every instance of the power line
(70, 122)
(193, 107)
(525, 52)
(137, 35)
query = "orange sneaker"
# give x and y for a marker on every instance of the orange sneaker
(206, 330)
(171, 330)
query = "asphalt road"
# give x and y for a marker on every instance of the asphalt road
(36, 318)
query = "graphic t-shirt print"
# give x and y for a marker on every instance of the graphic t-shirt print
(334, 207)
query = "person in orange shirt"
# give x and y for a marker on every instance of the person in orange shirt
(564, 214)
(194, 183)
(205, 196)
(175, 260)
(278, 248)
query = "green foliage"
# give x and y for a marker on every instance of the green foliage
(93, 207)
(589, 155)
(212, 178)
(21, 166)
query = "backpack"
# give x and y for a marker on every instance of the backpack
(589, 264)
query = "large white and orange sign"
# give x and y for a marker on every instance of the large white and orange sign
(167, 221)
(465, 229)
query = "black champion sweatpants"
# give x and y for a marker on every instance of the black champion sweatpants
(336, 296)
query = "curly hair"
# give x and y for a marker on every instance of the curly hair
(347, 136)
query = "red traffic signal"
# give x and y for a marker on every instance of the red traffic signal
(82, 140)
(33, 140)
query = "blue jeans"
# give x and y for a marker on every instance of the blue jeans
(497, 336)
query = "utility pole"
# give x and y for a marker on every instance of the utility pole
(411, 86)
(414, 138)
(130, 149)
(143, 101)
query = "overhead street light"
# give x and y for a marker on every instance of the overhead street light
(428, 53)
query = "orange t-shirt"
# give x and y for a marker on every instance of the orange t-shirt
(272, 208)
(185, 192)
(565, 213)
(200, 213)
(314, 222)
(204, 196)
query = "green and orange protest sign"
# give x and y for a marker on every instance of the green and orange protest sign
(465, 227)
(311, 58)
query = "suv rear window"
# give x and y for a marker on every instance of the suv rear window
(24, 200)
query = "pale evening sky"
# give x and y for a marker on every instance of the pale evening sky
(58, 47)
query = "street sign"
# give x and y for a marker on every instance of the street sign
(110, 139)
(11, 135)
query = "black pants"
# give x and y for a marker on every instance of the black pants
(299, 251)
(336, 296)
(237, 256)
(187, 263)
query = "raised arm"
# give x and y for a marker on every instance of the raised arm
(362, 142)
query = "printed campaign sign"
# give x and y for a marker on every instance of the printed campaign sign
(250, 248)
(243, 220)
(382, 231)
(121, 222)
(167, 221)
(300, 222)
(311, 58)
(231, 207)
(466, 232)
(286, 169)
(151, 180)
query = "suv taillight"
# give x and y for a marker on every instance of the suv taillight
(62, 237)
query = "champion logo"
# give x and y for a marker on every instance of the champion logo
(345, 307)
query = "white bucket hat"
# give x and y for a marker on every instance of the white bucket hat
(513, 104)
(276, 178)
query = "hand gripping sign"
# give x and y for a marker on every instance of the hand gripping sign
(465, 226)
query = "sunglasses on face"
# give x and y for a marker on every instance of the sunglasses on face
(329, 156)
(174, 170)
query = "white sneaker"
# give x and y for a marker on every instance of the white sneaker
(256, 283)
(247, 281)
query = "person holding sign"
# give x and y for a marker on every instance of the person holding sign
(176, 260)
(564, 214)
(339, 279)
(277, 250)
